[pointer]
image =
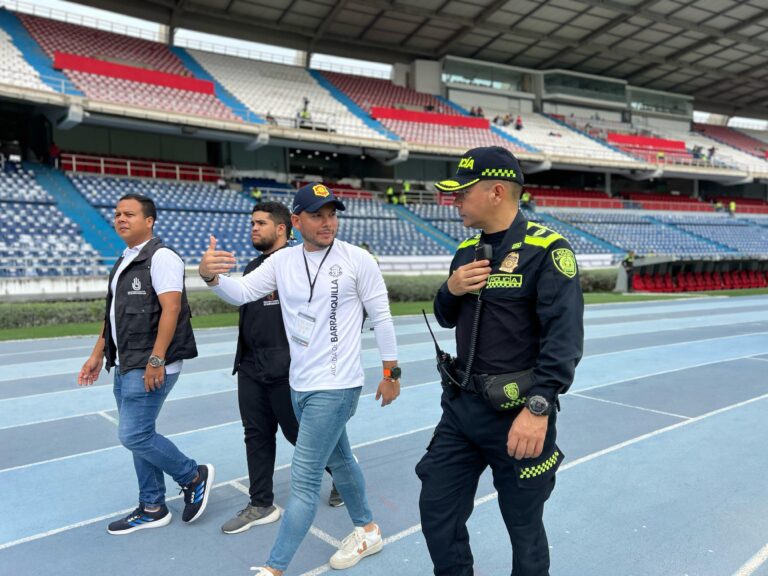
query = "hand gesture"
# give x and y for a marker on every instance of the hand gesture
(216, 261)
(526, 436)
(387, 391)
(469, 278)
(89, 373)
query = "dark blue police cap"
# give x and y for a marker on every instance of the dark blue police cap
(490, 163)
(312, 197)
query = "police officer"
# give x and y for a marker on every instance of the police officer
(262, 363)
(524, 345)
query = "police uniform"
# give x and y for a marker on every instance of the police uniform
(532, 318)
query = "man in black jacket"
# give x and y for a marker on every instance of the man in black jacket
(262, 362)
(146, 336)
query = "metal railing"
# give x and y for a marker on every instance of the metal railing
(81, 163)
(80, 20)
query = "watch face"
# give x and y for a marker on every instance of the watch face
(538, 405)
(396, 372)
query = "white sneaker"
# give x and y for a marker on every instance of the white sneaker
(357, 546)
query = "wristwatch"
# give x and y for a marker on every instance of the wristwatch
(392, 373)
(538, 406)
(156, 361)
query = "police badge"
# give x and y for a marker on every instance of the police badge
(510, 262)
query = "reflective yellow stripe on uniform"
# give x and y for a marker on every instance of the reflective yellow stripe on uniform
(469, 242)
(537, 238)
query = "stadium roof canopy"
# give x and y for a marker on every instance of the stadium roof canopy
(714, 50)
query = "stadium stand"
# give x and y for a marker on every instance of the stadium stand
(369, 93)
(572, 197)
(14, 69)
(737, 234)
(36, 238)
(278, 91)
(653, 201)
(138, 167)
(125, 53)
(641, 233)
(734, 138)
(448, 136)
(553, 138)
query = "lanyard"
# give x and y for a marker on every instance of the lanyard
(306, 267)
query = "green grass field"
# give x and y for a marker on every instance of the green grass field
(398, 309)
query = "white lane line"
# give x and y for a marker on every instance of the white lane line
(205, 428)
(193, 397)
(108, 418)
(234, 483)
(763, 554)
(324, 536)
(672, 344)
(759, 359)
(630, 406)
(652, 374)
(753, 563)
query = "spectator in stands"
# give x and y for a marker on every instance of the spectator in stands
(518, 123)
(54, 152)
(497, 120)
(660, 156)
(711, 153)
(407, 186)
(507, 120)
(147, 348)
(221, 184)
(390, 194)
(555, 134)
(628, 264)
(305, 116)
(526, 201)
(403, 198)
(262, 361)
(480, 112)
(732, 207)
(322, 313)
(256, 194)
(696, 152)
(719, 206)
(473, 111)
(271, 119)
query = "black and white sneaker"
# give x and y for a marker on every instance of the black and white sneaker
(196, 493)
(140, 519)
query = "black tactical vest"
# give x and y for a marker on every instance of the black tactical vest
(137, 314)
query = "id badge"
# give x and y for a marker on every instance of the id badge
(303, 327)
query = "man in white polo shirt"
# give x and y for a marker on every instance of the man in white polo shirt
(324, 285)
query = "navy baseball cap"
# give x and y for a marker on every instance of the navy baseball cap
(490, 163)
(312, 197)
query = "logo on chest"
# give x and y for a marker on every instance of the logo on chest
(335, 271)
(136, 288)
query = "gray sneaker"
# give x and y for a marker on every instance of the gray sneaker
(335, 500)
(251, 516)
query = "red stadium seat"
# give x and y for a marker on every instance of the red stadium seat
(637, 283)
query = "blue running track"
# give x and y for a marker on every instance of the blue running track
(663, 433)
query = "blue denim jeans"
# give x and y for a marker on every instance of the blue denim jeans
(322, 440)
(153, 454)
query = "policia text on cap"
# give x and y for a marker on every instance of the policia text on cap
(525, 344)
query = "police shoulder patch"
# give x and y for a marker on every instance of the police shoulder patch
(565, 262)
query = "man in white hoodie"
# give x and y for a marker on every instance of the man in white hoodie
(324, 285)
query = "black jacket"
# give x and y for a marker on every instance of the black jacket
(137, 313)
(533, 310)
(261, 337)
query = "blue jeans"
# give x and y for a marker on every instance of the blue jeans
(322, 441)
(153, 454)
